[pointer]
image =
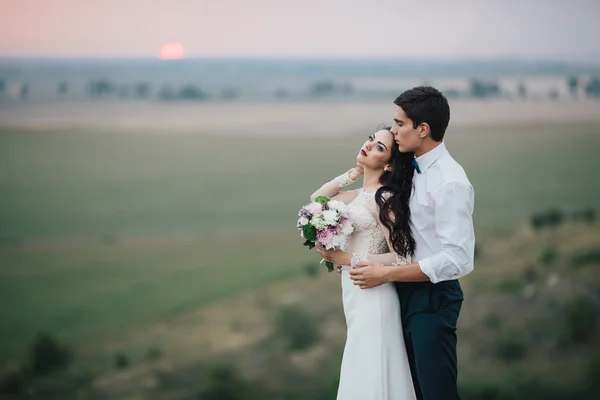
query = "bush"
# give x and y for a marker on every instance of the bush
(580, 319)
(326, 390)
(153, 354)
(482, 391)
(530, 275)
(518, 389)
(296, 326)
(122, 361)
(586, 215)
(492, 321)
(484, 89)
(47, 355)
(586, 257)
(224, 383)
(311, 269)
(510, 285)
(511, 347)
(13, 383)
(592, 88)
(549, 255)
(549, 218)
(592, 375)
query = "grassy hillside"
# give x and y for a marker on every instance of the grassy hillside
(173, 251)
(528, 320)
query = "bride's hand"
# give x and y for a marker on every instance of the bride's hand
(356, 172)
(337, 257)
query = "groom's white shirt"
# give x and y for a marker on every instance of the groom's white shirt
(441, 208)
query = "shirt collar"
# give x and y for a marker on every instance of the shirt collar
(431, 156)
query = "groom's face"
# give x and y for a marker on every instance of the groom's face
(406, 136)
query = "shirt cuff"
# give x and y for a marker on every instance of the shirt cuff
(427, 269)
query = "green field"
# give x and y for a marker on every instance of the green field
(57, 186)
(99, 232)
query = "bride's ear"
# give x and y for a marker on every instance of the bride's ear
(387, 168)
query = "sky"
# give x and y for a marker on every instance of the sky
(533, 29)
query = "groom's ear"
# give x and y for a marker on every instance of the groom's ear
(424, 130)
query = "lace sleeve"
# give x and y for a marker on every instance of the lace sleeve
(333, 187)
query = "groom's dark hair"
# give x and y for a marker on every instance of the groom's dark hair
(426, 104)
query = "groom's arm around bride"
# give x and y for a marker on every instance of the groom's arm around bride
(452, 206)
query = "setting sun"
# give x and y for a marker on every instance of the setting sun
(171, 51)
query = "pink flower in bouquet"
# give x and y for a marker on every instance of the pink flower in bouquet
(325, 236)
(314, 208)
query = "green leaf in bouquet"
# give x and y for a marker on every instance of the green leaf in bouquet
(329, 266)
(322, 199)
(309, 232)
(309, 244)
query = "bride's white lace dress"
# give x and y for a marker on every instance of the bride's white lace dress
(374, 365)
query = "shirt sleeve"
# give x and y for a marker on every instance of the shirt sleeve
(454, 203)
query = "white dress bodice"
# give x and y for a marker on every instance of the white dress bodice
(368, 236)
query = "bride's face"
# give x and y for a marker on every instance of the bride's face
(376, 152)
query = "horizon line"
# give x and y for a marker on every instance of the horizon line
(513, 58)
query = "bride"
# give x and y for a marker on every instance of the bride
(374, 364)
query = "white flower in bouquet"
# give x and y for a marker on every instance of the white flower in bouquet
(330, 217)
(318, 222)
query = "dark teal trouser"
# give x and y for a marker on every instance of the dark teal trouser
(429, 316)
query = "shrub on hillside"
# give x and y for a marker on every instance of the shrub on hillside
(511, 347)
(586, 257)
(122, 360)
(492, 321)
(311, 269)
(580, 317)
(519, 390)
(15, 382)
(592, 375)
(48, 355)
(530, 274)
(511, 285)
(482, 391)
(224, 383)
(549, 255)
(549, 218)
(586, 215)
(153, 354)
(297, 327)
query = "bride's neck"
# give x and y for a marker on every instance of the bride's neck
(371, 181)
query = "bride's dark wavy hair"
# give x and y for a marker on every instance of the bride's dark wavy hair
(393, 198)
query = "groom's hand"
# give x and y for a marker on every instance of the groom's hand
(368, 274)
(337, 257)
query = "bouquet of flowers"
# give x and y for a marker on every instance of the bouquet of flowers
(327, 222)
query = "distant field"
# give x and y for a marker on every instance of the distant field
(57, 186)
(103, 231)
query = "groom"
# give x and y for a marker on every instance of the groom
(441, 208)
